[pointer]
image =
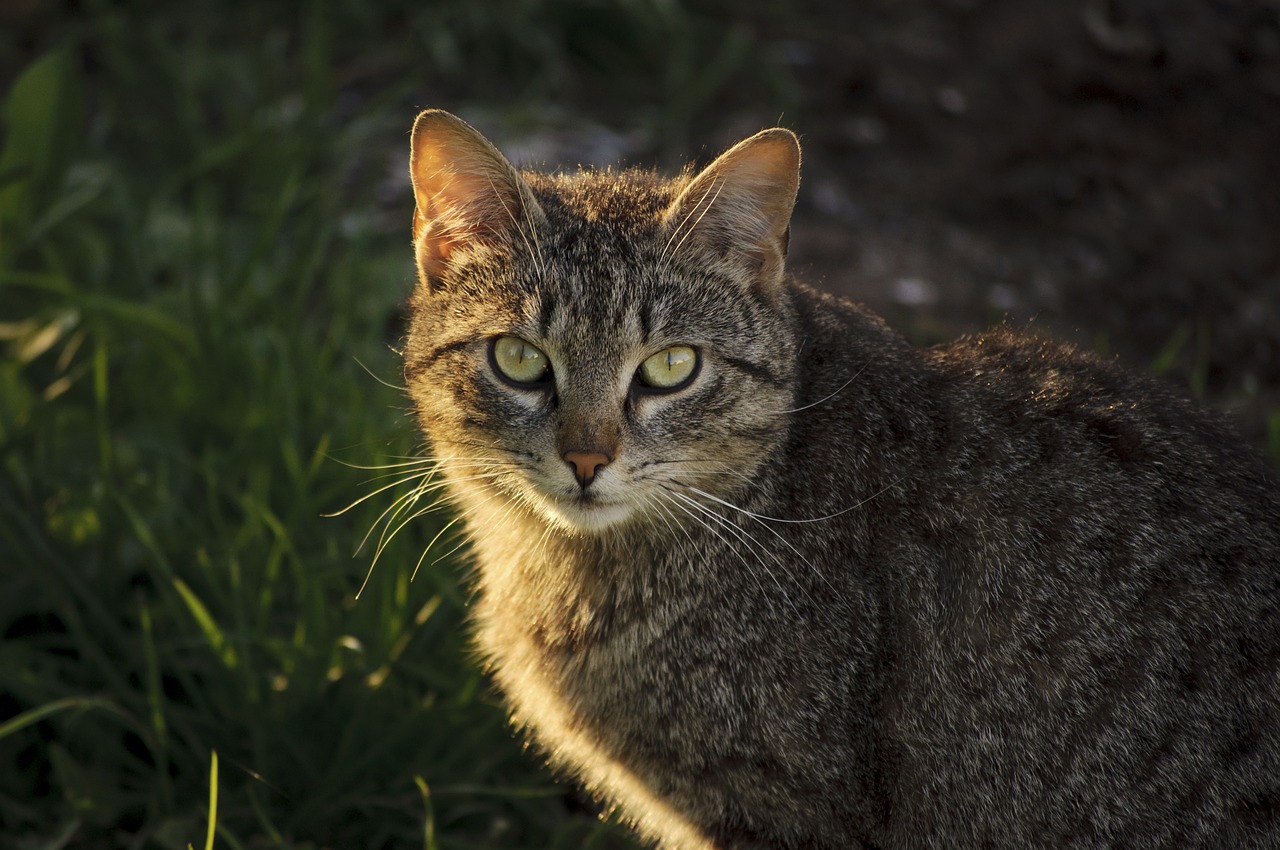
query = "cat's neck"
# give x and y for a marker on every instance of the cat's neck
(575, 589)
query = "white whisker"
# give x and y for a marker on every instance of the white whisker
(398, 483)
(369, 371)
(831, 395)
(448, 525)
(842, 512)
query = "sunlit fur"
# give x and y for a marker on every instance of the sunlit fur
(837, 591)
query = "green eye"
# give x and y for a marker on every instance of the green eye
(518, 362)
(669, 369)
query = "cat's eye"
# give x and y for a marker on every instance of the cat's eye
(669, 369)
(518, 361)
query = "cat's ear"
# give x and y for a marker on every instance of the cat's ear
(739, 207)
(468, 195)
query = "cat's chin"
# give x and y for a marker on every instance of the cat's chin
(585, 517)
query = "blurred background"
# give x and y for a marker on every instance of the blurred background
(204, 250)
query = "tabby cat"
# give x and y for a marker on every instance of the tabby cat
(761, 574)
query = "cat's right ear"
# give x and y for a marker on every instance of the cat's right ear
(468, 195)
(739, 207)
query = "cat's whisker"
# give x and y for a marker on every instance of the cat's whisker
(760, 520)
(841, 512)
(740, 534)
(448, 525)
(426, 469)
(425, 460)
(385, 540)
(391, 486)
(369, 371)
(718, 468)
(685, 463)
(644, 503)
(683, 502)
(392, 514)
(830, 395)
(657, 503)
(462, 542)
(395, 509)
(434, 506)
(747, 535)
(407, 462)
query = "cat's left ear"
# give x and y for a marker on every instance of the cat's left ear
(739, 207)
(468, 195)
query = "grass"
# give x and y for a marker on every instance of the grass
(203, 243)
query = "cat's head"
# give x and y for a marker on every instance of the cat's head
(600, 348)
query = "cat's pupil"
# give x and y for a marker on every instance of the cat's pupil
(669, 369)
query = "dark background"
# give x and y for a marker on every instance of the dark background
(1108, 169)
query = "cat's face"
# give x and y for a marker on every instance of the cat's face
(588, 352)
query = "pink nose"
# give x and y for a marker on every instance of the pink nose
(586, 464)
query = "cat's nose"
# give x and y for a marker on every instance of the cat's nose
(586, 464)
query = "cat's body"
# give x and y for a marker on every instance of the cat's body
(827, 590)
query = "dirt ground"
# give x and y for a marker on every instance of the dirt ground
(1110, 170)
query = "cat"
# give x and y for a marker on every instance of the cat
(761, 574)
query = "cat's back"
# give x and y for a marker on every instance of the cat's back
(1036, 416)
(1080, 574)
(1029, 427)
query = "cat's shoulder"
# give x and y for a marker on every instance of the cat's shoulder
(1022, 381)
(1031, 365)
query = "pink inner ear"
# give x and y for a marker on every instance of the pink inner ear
(435, 246)
(455, 209)
(467, 195)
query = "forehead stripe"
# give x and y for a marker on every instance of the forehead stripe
(545, 311)
(646, 321)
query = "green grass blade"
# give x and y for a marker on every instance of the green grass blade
(429, 816)
(208, 626)
(35, 715)
(213, 802)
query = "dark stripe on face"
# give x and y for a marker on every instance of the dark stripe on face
(440, 351)
(646, 321)
(756, 371)
(545, 312)
(714, 402)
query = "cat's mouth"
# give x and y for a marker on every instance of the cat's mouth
(586, 512)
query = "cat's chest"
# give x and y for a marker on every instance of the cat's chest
(602, 703)
(585, 662)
